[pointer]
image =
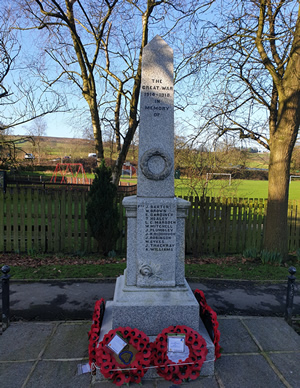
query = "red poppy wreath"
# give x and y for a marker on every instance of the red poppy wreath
(188, 368)
(209, 318)
(131, 367)
(95, 332)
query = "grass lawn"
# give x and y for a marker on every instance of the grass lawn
(239, 188)
(238, 272)
(85, 271)
(67, 267)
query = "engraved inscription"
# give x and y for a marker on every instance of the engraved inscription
(160, 228)
(155, 95)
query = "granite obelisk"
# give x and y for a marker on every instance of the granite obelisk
(153, 293)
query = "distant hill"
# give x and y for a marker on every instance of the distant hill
(50, 148)
(66, 140)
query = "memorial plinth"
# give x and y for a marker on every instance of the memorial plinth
(153, 293)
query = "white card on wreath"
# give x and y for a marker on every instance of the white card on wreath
(117, 344)
(176, 343)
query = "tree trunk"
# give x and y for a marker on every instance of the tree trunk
(117, 167)
(96, 128)
(282, 141)
(276, 227)
(133, 121)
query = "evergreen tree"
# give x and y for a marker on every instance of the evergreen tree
(102, 210)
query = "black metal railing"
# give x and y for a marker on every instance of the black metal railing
(290, 295)
(5, 297)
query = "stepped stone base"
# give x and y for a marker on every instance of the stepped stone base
(153, 309)
(207, 367)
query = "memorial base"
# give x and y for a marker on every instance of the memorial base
(152, 311)
(207, 367)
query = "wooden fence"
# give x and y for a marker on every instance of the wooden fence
(41, 220)
(224, 225)
(231, 225)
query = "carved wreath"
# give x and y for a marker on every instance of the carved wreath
(149, 271)
(144, 163)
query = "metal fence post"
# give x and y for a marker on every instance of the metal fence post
(290, 295)
(5, 296)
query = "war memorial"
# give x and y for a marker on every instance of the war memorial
(153, 293)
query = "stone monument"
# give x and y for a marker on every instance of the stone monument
(153, 292)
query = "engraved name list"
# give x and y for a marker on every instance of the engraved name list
(160, 228)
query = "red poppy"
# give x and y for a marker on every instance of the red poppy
(106, 366)
(176, 379)
(174, 368)
(183, 373)
(194, 374)
(119, 379)
(136, 379)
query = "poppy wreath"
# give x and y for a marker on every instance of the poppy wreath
(94, 333)
(209, 318)
(188, 369)
(131, 372)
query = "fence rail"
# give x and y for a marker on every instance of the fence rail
(41, 220)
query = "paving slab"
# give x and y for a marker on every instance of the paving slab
(61, 344)
(13, 375)
(289, 366)
(206, 382)
(247, 371)
(145, 384)
(57, 374)
(273, 334)
(235, 338)
(24, 340)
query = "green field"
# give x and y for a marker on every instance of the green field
(239, 188)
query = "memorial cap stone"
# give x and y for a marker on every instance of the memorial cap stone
(156, 140)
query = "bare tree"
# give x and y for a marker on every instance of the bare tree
(73, 39)
(131, 76)
(123, 53)
(9, 49)
(98, 47)
(37, 130)
(202, 165)
(22, 98)
(251, 55)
